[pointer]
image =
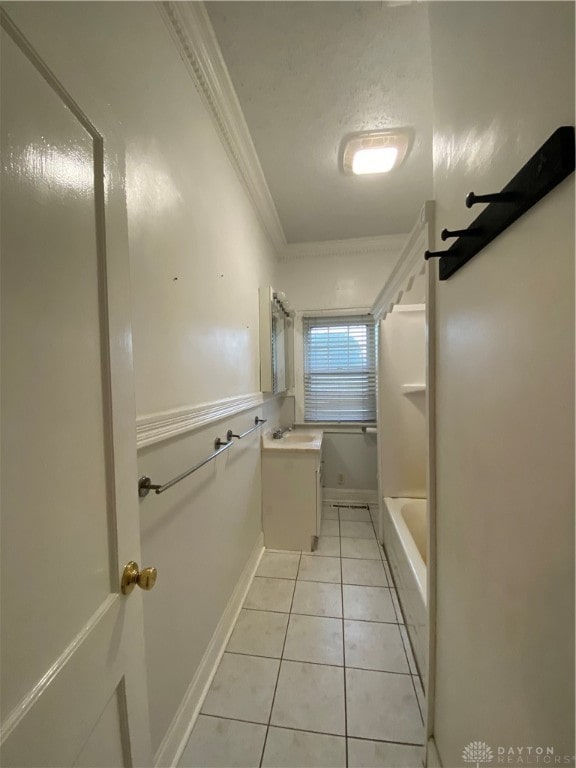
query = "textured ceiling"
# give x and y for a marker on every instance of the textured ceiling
(309, 73)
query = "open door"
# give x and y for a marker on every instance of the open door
(73, 669)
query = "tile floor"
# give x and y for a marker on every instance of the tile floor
(318, 672)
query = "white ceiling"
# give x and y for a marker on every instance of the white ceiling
(309, 73)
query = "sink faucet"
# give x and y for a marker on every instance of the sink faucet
(279, 433)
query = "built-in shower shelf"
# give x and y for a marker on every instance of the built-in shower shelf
(412, 389)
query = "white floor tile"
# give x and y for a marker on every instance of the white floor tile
(293, 749)
(311, 697)
(279, 565)
(374, 754)
(316, 599)
(260, 633)
(315, 639)
(320, 569)
(366, 573)
(383, 706)
(243, 688)
(374, 646)
(215, 742)
(355, 515)
(368, 603)
(352, 530)
(329, 513)
(365, 549)
(270, 595)
(330, 528)
(328, 546)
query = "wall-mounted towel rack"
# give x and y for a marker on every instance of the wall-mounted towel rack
(145, 485)
(257, 423)
(552, 163)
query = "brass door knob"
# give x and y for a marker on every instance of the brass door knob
(145, 578)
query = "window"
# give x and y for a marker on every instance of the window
(339, 368)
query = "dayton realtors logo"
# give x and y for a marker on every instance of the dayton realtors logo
(477, 752)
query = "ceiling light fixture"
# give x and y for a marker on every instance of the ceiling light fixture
(375, 152)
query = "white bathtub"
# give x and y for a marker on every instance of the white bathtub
(403, 530)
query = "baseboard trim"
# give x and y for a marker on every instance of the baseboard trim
(350, 494)
(432, 756)
(178, 733)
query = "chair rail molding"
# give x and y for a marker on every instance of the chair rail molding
(156, 427)
(410, 264)
(192, 32)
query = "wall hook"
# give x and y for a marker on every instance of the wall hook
(447, 233)
(439, 254)
(496, 197)
(220, 443)
(230, 435)
(550, 165)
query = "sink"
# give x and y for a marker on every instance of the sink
(297, 441)
(298, 437)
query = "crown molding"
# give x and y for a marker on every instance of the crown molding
(192, 32)
(359, 246)
(156, 427)
(410, 264)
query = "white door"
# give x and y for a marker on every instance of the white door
(73, 675)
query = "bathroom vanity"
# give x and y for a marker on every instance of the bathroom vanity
(291, 489)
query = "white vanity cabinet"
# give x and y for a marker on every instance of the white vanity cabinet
(292, 490)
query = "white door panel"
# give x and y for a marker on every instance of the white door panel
(72, 658)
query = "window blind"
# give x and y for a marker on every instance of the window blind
(339, 368)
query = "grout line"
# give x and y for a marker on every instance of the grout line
(321, 616)
(334, 557)
(344, 655)
(318, 733)
(279, 667)
(279, 578)
(264, 610)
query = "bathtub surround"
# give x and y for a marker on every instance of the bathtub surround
(402, 401)
(505, 387)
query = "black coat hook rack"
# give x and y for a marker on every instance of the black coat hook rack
(550, 165)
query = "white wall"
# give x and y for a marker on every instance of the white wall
(334, 282)
(338, 282)
(350, 461)
(197, 256)
(503, 82)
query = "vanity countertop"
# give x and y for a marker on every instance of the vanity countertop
(296, 440)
